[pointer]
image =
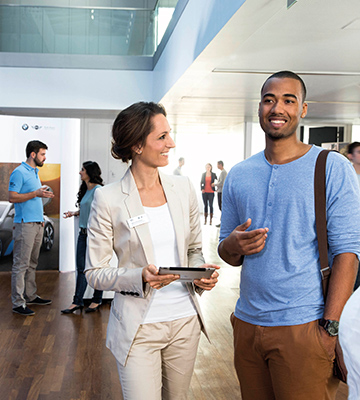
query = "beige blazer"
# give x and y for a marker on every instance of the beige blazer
(108, 230)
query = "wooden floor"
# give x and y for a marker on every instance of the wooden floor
(63, 357)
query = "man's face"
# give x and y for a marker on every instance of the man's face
(40, 157)
(281, 107)
(355, 156)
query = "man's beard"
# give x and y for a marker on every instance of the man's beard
(38, 163)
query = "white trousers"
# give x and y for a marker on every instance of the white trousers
(161, 360)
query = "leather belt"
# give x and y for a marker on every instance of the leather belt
(83, 231)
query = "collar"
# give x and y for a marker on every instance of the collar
(29, 167)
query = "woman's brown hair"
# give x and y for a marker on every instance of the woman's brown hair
(131, 127)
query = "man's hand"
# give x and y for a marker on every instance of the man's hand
(44, 192)
(242, 243)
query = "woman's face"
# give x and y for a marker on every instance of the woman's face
(208, 167)
(83, 175)
(155, 152)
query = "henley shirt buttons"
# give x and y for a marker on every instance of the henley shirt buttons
(269, 203)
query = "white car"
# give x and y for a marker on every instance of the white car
(7, 212)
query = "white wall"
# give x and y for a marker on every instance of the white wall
(355, 136)
(73, 88)
(96, 146)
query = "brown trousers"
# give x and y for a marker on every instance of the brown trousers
(282, 362)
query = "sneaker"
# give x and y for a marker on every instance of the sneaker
(23, 311)
(39, 301)
(218, 225)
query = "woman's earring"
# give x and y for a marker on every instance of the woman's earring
(140, 151)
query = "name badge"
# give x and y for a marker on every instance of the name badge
(139, 220)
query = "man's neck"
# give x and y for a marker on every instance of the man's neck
(30, 161)
(283, 151)
(357, 168)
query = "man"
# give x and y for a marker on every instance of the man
(220, 183)
(25, 191)
(177, 170)
(353, 153)
(283, 333)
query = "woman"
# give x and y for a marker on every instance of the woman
(207, 188)
(150, 220)
(91, 180)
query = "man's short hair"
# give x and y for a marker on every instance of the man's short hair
(181, 159)
(34, 146)
(288, 74)
(352, 146)
(221, 162)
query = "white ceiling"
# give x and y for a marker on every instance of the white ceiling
(319, 39)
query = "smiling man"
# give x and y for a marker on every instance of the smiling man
(284, 334)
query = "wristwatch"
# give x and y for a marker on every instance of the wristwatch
(331, 327)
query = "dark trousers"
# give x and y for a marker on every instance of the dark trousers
(81, 282)
(219, 199)
(208, 199)
(282, 362)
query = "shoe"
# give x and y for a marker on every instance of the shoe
(89, 310)
(71, 310)
(23, 311)
(218, 225)
(39, 301)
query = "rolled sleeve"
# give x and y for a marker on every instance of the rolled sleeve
(343, 206)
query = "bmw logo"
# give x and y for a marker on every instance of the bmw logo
(25, 127)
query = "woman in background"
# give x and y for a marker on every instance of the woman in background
(150, 220)
(207, 189)
(91, 180)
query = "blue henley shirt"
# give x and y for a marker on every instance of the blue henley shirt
(281, 285)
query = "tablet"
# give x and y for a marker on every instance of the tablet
(187, 274)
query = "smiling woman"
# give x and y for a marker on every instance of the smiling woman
(150, 220)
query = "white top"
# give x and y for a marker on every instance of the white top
(349, 336)
(172, 301)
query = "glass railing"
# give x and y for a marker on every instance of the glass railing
(83, 31)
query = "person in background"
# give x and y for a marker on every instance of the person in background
(150, 220)
(353, 153)
(90, 175)
(207, 189)
(220, 183)
(284, 334)
(25, 191)
(177, 170)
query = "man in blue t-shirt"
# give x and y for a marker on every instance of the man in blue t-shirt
(25, 191)
(284, 334)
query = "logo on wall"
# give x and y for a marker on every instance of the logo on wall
(36, 127)
(25, 127)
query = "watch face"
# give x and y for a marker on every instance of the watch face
(332, 328)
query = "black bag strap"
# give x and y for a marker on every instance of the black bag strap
(320, 218)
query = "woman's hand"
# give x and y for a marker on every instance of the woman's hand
(151, 275)
(208, 284)
(69, 214)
